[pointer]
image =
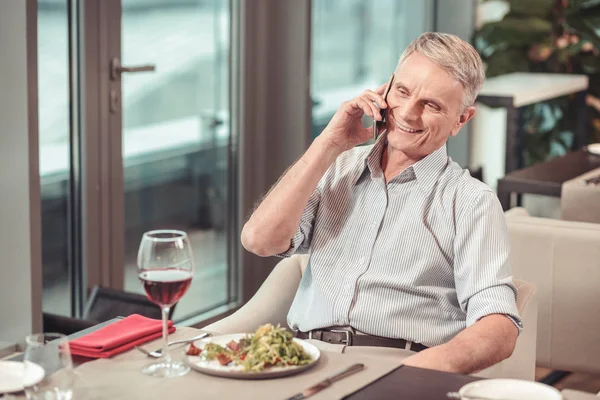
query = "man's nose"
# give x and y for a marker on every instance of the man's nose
(410, 110)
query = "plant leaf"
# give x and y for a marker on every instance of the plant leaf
(510, 32)
(533, 8)
(586, 20)
(506, 62)
(590, 64)
(571, 50)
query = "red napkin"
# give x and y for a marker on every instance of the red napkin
(118, 337)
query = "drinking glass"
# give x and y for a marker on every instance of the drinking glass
(166, 267)
(48, 368)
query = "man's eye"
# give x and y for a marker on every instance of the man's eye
(432, 106)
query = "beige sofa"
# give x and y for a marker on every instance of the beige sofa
(274, 298)
(562, 258)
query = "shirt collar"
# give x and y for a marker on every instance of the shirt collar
(426, 171)
(373, 158)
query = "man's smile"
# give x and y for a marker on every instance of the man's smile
(404, 128)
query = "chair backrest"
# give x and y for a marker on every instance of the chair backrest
(562, 258)
(65, 325)
(270, 304)
(106, 303)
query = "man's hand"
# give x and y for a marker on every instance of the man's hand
(345, 129)
(274, 222)
(487, 342)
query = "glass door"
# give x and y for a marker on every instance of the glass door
(176, 141)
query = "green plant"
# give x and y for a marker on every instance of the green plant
(560, 36)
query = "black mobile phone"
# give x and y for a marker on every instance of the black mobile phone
(378, 126)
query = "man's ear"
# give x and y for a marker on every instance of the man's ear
(463, 118)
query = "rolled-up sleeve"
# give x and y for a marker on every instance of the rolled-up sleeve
(482, 272)
(300, 243)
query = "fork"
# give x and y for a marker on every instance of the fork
(158, 353)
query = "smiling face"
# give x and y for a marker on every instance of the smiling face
(425, 107)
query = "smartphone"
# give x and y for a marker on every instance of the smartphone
(379, 126)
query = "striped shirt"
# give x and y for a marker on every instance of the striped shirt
(419, 258)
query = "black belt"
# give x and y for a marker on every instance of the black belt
(349, 338)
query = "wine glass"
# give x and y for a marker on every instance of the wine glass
(166, 268)
(48, 367)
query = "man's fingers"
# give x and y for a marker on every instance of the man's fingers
(367, 107)
(375, 97)
(375, 113)
(366, 102)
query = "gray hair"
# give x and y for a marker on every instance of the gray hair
(457, 57)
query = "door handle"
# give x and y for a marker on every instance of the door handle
(116, 69)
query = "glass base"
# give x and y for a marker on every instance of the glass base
(166, 370)
(44, 394)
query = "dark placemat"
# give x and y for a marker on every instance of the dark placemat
(409, 383)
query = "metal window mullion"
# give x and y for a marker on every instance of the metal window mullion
(113, 171)
(102, 170)
(102, 175)
(233, 228)
(92, 130)
(35, 207)
(74, 210)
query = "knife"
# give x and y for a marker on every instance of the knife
(327, 382)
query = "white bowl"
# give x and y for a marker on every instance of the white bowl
(594, 148)
(510, 389)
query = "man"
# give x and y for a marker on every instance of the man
(403, 243)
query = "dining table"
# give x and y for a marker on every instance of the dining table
(121, 377)
(546, 178)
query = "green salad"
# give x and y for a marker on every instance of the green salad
(269, 346)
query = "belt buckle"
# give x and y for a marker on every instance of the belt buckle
(348, 339)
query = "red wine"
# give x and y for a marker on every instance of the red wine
(166, 286)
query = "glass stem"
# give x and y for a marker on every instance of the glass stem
(165, 325)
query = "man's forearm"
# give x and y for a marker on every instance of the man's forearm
(274, 222)
(489, 341)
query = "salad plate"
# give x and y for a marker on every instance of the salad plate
(250, 356)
